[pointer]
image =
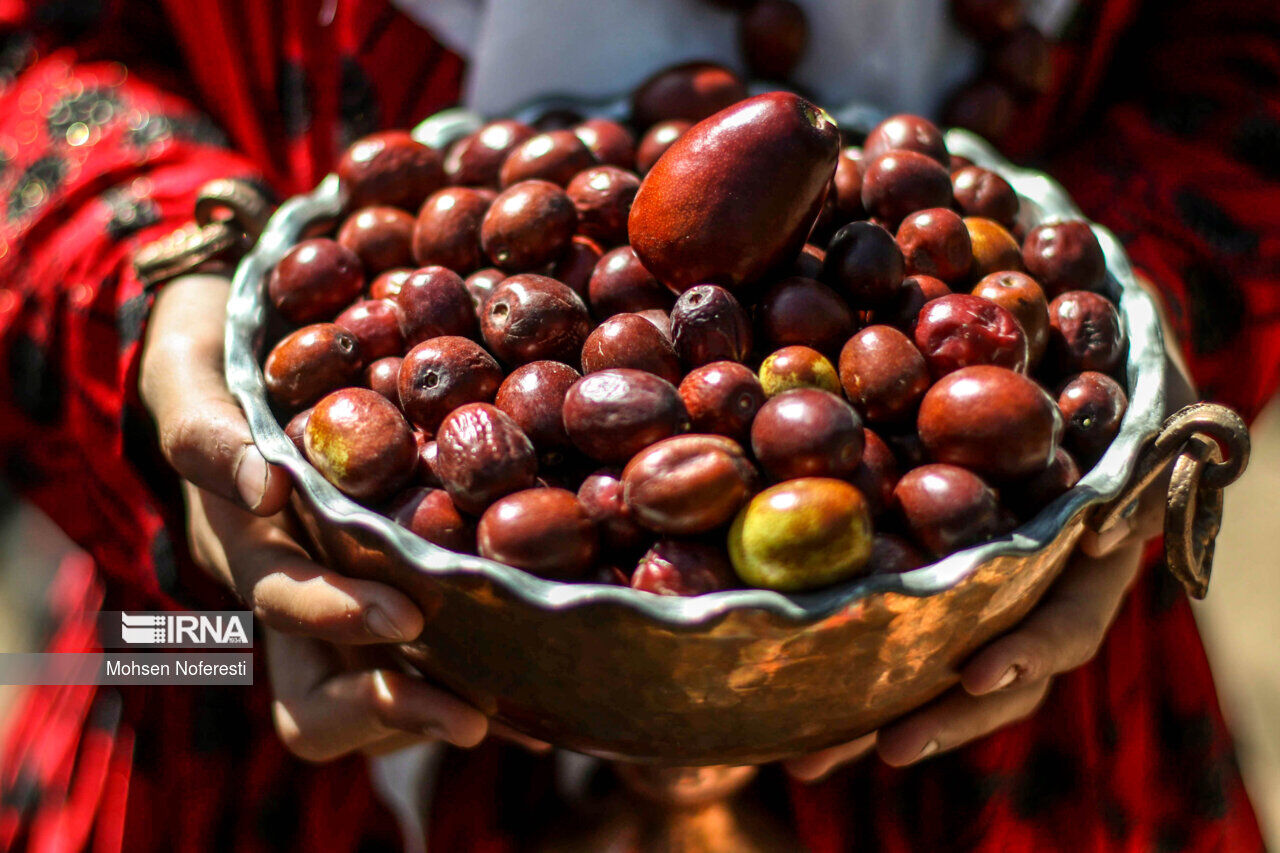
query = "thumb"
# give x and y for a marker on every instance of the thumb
(203, 432)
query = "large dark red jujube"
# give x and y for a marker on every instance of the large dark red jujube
(534, 318)
(543, 531)
(1065, 256)
(603, 196)
(447, 232)
(442, 373)
(897, 183)
(946, 508)
(1085, 333)
(936, 242)
(555, 156)
(528, 226)
(629, 340)
(482, 455)
(376, 323)
(621, 284)
(864, 263)
(476, 159)
(390, 168)
(807, 433)
(883, 374)
(722, 398)
(533, 395)
(1093, 406)
(315, 280)
(311, 362)
(708, 324)
(803, 311)
(381, 237)
(961, 330)
(991, 420)
(614, 414)
(906, 133)
(434, 301)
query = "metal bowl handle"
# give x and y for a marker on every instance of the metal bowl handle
(1208, 445)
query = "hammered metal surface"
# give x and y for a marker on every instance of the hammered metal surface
(729, 678)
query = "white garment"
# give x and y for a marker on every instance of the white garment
(899, 55)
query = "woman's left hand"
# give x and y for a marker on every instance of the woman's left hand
(1005, 681)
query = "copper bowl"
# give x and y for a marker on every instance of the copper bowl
(740, 677)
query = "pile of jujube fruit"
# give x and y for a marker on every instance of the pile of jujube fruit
(738, 352)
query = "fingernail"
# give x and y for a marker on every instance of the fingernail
(929, 749)
(380, 625)
(251, 477)
(1010, 675)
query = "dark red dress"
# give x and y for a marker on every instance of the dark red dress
(1166, 128)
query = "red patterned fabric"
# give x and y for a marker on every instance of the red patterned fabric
(1166, 127)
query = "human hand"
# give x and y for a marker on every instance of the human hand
(232, 493)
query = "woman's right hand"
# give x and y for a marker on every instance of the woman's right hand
(329, 699)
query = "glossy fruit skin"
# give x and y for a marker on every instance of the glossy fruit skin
(893, 555)
(897, 183)
(614, 414)
(383, 375)
(659, 318)
(691, 92)
(296, 429)
(440, 374)
(621, 284)
(1039, 490)
(528, 226)
(1085, 333)
(601, 497)
(703, 215)
(994, 249)
(475, 160)
(683, 567)
(1020, 295)
(390, 168)
(800, 535)
(361, 443)
(883, 374)
(877, 474)
(807, 433)
(533, 395)
(543, 531)
(314, 281)
(1065, 256)
(915, 292)
(708, 324)
(428, 461)
(946, 508)
(376, 325)
(846, 186)
(688, 484)
(629, 340)
(555, 156)
(961, 330)
(801, 311)
(482, 455)
(430, 513)
(657, 140)
(602, 196)
(936, 242)
(773, 35)
(906, 132)
(797, 367)
(447, 231)
(388, 284)
(481, 283)
(434, 301)
(991, 420)
(864, 263)
(311, 362)
(1093, 406)
(722, 398)
(808, 264)
(534, 318)
(611, 143)
(981, 192)
(576, 264)
(380, 236)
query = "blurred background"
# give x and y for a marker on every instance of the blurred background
(1240, 620)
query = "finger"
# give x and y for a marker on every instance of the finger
(285, 589)
(203, 432)
(953, 721)
(815, 765)
(322, 712)
(505, 732)
(1064, 632)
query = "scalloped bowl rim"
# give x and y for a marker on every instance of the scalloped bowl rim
(246, 314)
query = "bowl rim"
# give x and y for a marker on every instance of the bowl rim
(1043, 200)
